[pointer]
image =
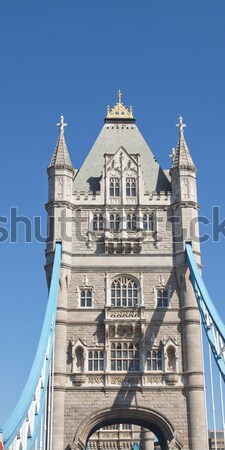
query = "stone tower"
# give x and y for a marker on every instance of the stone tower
(127, 346)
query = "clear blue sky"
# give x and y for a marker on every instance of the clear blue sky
(70, 57)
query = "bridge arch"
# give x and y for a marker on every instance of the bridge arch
(144, 417)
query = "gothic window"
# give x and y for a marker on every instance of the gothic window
(154, 360)
(148, 222)
(124, 292)
(95, 360)
(114, 187)
(86, 298)
(114, 221)
(131, 221)
(98, 222)
(130, 187)
(125, 356)
(162, 298)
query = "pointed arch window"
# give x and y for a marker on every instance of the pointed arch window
(125, 356)
(114, 187)
(131, 187)
(124, 292)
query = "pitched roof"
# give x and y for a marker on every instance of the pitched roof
(182, 157)
(113, 136)
(61, 157)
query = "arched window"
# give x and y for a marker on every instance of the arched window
(154, 360)
(125, 356)
(131, 221)
(95, 360)
(114, 187)
(130, 187)
(124, 292)
(114, 221)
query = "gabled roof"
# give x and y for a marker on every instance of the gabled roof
(113, 136)
(61, 157)
(182, 157)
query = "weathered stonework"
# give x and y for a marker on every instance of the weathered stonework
(127, 345)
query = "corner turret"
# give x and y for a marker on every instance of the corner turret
(185, 203)
(60, 182)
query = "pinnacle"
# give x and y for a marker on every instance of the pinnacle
(181, 157)
(61, 157)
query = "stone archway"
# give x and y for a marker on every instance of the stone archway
(143, 417)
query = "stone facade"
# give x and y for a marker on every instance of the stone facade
(127, 346)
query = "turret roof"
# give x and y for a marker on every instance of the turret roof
(113, 136)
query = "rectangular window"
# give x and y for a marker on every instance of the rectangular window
(162, 298)
(95, 360)
(131, 222)
(148, 222)
(114, 220)
(125, 357)
(86, 298)
(98, 222)
(154, 360)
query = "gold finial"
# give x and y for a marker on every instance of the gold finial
(181, 125)
(119, 111)
(61, 124)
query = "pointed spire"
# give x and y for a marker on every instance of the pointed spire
(181, 157)
(61, 157)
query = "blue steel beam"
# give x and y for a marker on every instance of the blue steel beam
(42, 363)
(213, 325)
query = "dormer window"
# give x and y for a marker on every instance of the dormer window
(114, 187)
(130, 187)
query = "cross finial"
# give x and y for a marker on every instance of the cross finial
(61, 124)
(119, 94)
(181, 125)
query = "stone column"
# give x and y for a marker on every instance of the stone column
(147, 439)
(193, 367)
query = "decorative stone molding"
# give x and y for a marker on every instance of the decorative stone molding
(96, 380)
(113, 314)
(125, 380)
(153, 379)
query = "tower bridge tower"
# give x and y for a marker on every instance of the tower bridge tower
(127, 346)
